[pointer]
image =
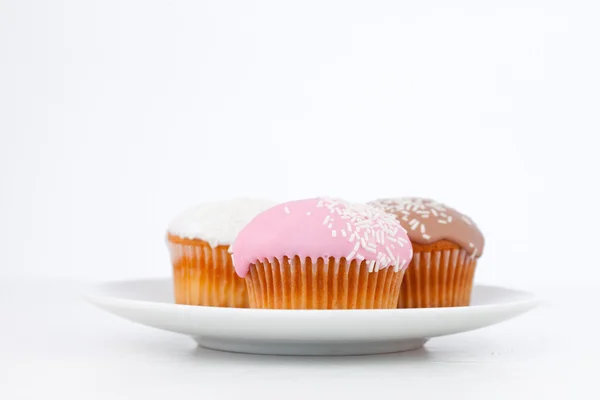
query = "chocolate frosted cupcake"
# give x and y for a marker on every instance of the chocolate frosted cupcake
(322, 254)
(446, 247)
(198, 242)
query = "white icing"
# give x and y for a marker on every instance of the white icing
(217, 222)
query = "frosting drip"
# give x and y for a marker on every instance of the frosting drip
(428, 221)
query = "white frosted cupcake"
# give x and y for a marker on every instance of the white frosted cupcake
(198, 242)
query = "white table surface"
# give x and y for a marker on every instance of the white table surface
(53, 344)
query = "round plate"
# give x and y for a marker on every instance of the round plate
(305, 332)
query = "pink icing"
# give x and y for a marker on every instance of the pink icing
(322, 227)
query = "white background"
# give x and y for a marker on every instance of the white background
(115, 115)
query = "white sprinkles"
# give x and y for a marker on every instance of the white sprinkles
(368, 228)
(414, 208)
(421, 207)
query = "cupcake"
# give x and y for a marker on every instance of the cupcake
(447, 245)
(198, 242)
(322, 254)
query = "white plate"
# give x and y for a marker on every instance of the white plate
(305, 332)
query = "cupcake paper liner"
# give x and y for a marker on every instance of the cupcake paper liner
(438, 279)
(293, 283)
(204, 276)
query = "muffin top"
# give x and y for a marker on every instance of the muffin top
(428, 221)
(217, 222)
(323, 228)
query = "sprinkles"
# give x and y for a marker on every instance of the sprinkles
(431, 220)
(368, 228)
(419, 209)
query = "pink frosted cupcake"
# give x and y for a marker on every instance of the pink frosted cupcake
(322, 254)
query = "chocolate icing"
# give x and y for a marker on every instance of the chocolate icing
(428, 221)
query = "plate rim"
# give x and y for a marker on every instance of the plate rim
(92, 294)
